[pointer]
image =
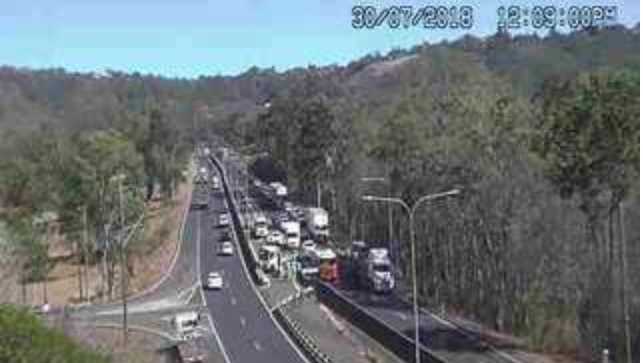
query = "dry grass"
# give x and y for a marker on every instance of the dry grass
(160, 240)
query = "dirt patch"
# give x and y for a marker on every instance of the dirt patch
(160, 242)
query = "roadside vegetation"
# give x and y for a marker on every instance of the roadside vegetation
(540, 134)
(24, 338)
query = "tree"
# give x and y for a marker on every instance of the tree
(106, 157)
(24, 338)
(589, 140)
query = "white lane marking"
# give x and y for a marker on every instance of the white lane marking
(175, 258)
(243, 321)
(401, 315)
(233, 301)
(260, 297)
(218, 338)
(198, 264)
(257, 345)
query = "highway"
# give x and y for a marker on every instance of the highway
(245, 329)
(443, 338)
(446, 340)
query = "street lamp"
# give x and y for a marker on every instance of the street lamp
(380, 179)
(411, 212)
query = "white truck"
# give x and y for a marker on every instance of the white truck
(292, 232)
(269, 258)
(316, 220)
(261, 226)
(216, 183)
(279, 189)
(379, 270)
(185, 324)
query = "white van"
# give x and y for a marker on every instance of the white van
(186, 323)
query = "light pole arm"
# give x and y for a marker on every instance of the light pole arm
(372, 198)
(429, 197)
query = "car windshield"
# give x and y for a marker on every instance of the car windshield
(382, 268)
(189, 324)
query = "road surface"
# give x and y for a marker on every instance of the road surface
(246, 330)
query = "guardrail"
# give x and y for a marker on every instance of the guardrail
(292, 328)
(389, 337)
(303, 340)
(246, 252)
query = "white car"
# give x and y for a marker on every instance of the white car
(308, 245)
(226, 249)
(224, 220)
(275, 238)
(215, 281)
(289, 207)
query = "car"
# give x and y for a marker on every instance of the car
(279, 218)
(225, 236)
(275, 237)
(224, 220)
(299, 214)
(226, 249)
(308, 245)
(215, 281)
(289, 207)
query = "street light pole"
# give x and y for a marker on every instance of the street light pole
(390, 219)
(411, 212)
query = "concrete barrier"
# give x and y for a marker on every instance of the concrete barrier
(389, 337)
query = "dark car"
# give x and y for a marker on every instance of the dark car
(225, 235)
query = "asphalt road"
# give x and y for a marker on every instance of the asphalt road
(442, 337)
(246, 330)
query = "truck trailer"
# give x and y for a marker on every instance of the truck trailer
(372, 267)
(316, 220)
(292, 232)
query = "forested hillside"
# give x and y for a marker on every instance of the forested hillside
(541, 134)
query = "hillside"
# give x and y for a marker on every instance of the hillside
(77, 101)
(540, 135)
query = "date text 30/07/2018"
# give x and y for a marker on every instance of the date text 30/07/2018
(406, 16)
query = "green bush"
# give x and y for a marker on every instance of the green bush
(25, 339)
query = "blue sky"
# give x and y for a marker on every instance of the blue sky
(188, 38)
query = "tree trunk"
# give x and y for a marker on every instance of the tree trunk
(80, 270)
(46, 267)
(626, 313)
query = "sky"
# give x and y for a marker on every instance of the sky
(189, 38)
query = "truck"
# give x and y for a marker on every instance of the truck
(373, 268)
(292, 232)
(185, 324)
(200, 197)
(328, 270)
(193, 351)
(279, 190)
(307, 267)
(201, 176)
(316, 220)
(269, 258)
(216, 183)
(261, 226)
(192, 346)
